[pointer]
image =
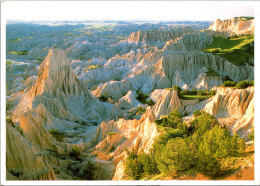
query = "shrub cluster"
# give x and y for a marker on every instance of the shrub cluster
(57, 135)
(75, 152)
(229, 84)
(244, 84)
(240, 85)
(199, 146)
(103, 98)
(142, 98)
(136, 165)
(197, 93)
(140, 110)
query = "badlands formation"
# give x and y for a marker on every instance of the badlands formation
(236, 25)
(94, 106)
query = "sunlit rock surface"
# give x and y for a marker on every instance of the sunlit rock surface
(236, 25)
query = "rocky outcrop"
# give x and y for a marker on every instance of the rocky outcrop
(23, 160)
(114, 136)
(235, 107)
(157, 37)
(168, 102)
(62, 94)
(188, 42)
(180, 63)
(236, 25)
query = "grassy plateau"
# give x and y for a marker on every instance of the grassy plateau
(236, 49)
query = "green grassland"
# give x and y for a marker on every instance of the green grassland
(237, 49)
(19, 52)
(91, 67)
(211, 72)
(9, 62)
(190, 97)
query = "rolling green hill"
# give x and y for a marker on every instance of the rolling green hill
(236, 49)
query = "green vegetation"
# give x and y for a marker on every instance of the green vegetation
(9, 62)
(89, 171)
(75, 152)
(59, 136)
(40, 58)
(236, 49)
(211, 72)
(201, 146)
(150, 102)
(193, 94)
(9, 120)
(15, 40)
(200, 97)
(24, 52)
(140, 110)
(138, 165)
(244, 84)
(240, 85)
(20, 131)
(91, 67)
(143, 99)
(111, 133)
(251, 136)
(103, 98)
(229, 84)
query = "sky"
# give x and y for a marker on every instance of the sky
(125, 10)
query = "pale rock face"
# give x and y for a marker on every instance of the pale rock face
(188, 66)
(157, 69)
(235, 107)
(237, 25)
(130, 134)
(188, 42)
(167, 102)
(129, 100)
(62, 94)
(23, 161)
(208, 82)
(156, 38)
(60, 101)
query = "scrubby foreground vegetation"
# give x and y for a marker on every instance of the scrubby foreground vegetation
(202, 145)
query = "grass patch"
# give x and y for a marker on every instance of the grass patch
(237, 49)
(91, 67)
(9, 62)
(111, 133)
(15, 40)
(24, 52)
(59, 136)
(40, 58)
(193, 94)
(211, 72)
(9, 120)
(142, 97)
(75, 153)
(140, 110)
(200, 97)
(239, 85)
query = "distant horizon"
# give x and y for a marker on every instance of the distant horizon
(110, 20)
(153, 11)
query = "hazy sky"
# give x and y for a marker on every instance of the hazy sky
(121, 10)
